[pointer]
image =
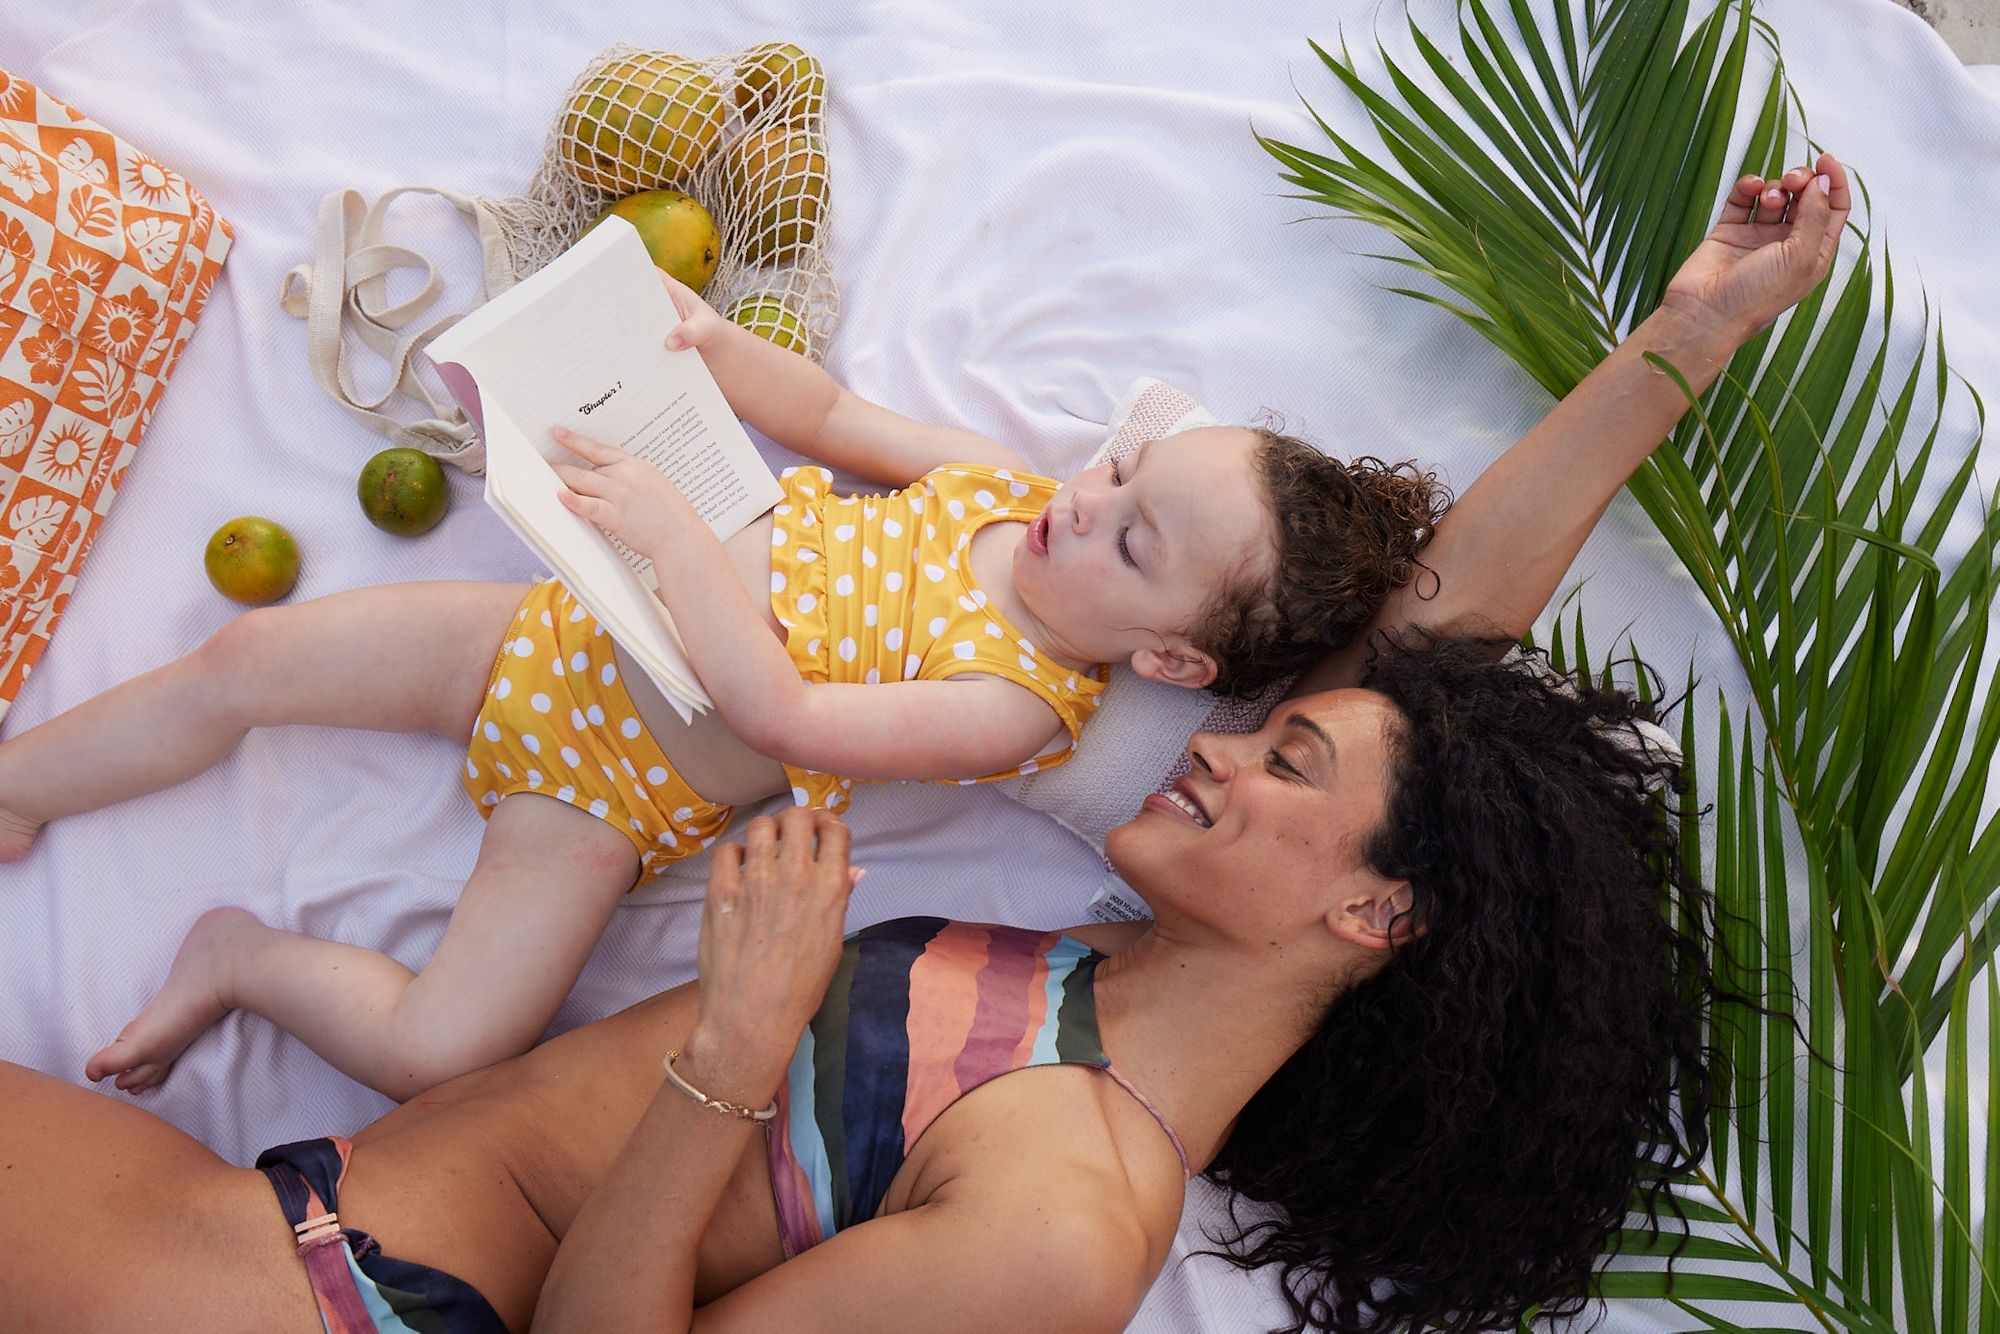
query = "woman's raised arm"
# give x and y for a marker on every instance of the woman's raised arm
(1502, 548)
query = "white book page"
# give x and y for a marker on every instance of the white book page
(522, 488)
(581, 344)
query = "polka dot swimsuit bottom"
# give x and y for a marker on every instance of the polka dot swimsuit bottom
(558, 721)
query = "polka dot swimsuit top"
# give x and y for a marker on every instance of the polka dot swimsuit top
(879, 588)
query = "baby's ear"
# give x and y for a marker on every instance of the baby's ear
(1181, 665)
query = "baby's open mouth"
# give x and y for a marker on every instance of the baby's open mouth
(1038, 534)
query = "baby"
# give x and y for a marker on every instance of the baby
(954, 629)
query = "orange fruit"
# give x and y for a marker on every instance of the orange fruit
(403, 491)
(679, 233)
(252, 561)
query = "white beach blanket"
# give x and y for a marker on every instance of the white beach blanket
(1034, 203)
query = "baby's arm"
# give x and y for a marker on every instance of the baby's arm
(797, 404)
(901, 729)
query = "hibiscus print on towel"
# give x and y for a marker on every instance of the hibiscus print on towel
(21, 172)
(49, 355)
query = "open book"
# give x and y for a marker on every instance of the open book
(582, 344)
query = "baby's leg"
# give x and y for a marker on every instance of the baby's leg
(546, 881)
(395, 658)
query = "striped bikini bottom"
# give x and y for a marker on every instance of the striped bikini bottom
(358, 1289)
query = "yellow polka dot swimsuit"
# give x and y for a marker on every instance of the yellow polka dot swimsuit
(867, 588)
(558, 721)
(880, 588)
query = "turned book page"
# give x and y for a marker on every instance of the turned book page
(581, 344)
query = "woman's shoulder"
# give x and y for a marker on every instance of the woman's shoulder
(1058, 1142)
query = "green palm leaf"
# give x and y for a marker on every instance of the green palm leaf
(1547, 172)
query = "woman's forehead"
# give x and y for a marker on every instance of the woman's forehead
(1348, 716)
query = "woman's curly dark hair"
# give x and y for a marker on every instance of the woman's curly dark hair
(1349, 532)
(1468, 1126)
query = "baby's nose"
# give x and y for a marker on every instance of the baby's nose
(1080, 507)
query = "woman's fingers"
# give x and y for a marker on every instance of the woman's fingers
(1742, 199)
(760, 850)
(1838, 195)
(795, 841)
(725, 867)
(834, 841)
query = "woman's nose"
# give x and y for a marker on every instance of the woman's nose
(1209, 752)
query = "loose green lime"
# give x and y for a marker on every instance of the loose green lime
(252, 561)
(403, 491)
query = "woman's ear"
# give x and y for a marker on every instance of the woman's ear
(1378, 916)
(1181, 665)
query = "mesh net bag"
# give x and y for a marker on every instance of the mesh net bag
(742, 134)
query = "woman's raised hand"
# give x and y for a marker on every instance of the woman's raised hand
(771, 932)
(699, 322)
(1773, 244)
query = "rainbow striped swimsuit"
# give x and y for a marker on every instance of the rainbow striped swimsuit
(920, 1012)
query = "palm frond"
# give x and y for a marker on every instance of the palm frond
(1548, 169)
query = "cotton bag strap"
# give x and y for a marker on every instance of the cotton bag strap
(346, 285)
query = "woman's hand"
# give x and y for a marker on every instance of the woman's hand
(1746, 273)
(625, 496)
(770, 938)
(699, 322)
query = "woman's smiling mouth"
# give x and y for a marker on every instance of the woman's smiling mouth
(1183, 804)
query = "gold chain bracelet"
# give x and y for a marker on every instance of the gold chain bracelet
(735, 1109)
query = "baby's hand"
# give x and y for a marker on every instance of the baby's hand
(699, 322)
(627, 497)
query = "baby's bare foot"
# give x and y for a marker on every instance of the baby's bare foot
(189, 1002)
(17, 834)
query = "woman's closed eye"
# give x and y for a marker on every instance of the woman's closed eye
(1117, 476)
(1125, 548)
(1276, 760)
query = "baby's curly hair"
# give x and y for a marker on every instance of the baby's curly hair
(1348, 533)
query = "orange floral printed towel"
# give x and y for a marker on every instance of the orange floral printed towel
(107, 257)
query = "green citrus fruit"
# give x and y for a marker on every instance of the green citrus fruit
(678, 232)
(403, 492)
(252, 561)
(769, 317)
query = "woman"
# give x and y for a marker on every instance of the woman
(1409, 979)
